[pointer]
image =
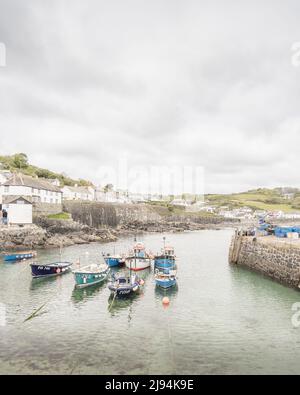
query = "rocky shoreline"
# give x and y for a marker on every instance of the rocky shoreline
(50, 233)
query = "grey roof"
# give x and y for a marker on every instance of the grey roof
(23, 180)
(79, 189)
(8, 199)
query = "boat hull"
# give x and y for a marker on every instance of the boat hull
(39, 271)
(165, 284)
(164, 263)
(18, 257)
(123, 292)
(113, 262)
(137, 264)
(84, 280)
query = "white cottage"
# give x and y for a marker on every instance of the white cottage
(78, 193)
(39, 190)
(19, 209)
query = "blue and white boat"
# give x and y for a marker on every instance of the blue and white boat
(19, 256)
(91, 275)
(39, 270)
(113, 260)
(166, 259)
(166, 278)
(123, 286)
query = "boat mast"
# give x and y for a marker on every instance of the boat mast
(60, 252)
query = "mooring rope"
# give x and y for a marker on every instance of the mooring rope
(110, 306)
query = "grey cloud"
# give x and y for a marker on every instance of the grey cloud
(163, 82)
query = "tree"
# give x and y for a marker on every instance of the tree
(20, 161)
(108, 187)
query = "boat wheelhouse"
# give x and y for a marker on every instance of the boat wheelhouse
(124, 285)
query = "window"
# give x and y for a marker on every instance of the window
(6, 189)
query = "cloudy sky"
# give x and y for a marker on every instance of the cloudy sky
(160, 82)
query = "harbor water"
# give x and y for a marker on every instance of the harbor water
(221, 318)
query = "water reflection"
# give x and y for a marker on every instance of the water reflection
(171, 293)
(81, 294)
(40, 282)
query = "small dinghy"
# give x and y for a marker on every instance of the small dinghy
(91, 275)
(125, 285)
(19, 256)
(165, 278)
(50, 270)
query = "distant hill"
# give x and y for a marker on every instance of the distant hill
(284, 199)
(20, 163)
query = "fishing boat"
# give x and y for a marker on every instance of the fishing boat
(124, 285)
(50, 270)
(138, 258)
(91, 275)
(166, 259)
(113, 260)
(19, 256)
(166, 278)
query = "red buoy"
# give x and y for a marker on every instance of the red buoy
(166, 301)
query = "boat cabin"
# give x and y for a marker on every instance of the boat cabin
(168, 250)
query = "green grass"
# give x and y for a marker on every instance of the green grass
(63, 216)
(260, 199)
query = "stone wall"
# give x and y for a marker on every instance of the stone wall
(276, 258)
(46, 209)
(97, 214)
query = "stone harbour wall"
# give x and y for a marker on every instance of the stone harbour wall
(46, 209)
(276, 258)
(97, 214)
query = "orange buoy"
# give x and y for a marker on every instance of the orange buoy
(166, 301)
(142, 282)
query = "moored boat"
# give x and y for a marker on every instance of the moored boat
(166, 278)
(19, 256)
(166, 259)
(113, 260)
(138, 259)
(50, 270)
(124, 285)
(90, 275)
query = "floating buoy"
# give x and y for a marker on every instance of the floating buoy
(166, 301)
(142, 282)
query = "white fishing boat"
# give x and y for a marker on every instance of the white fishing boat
(138, 258)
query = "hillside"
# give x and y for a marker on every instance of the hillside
(260, 199)
(19, 162)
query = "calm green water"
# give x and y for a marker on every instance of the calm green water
(220, 320)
